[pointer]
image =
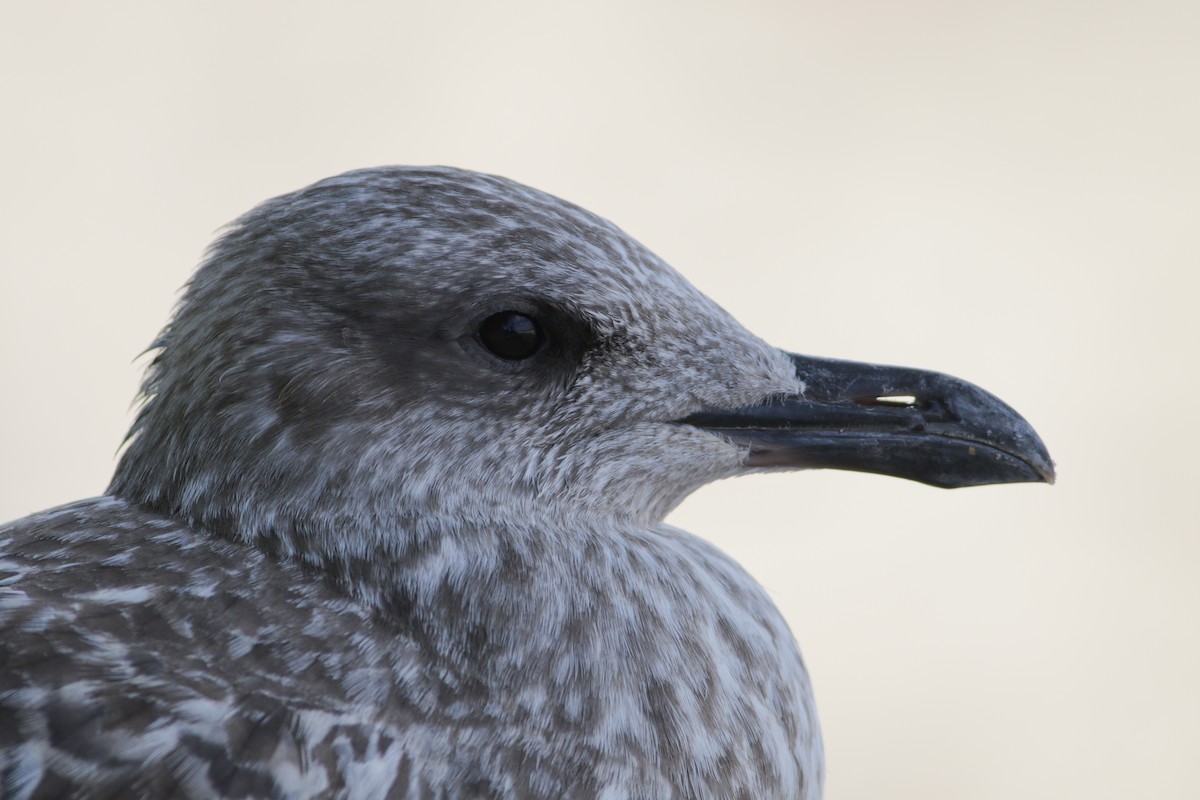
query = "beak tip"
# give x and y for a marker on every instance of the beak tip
(1047, 472)
(1039, 459)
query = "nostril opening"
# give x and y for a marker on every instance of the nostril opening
(896, 400)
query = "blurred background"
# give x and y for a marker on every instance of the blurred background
(1007, 192)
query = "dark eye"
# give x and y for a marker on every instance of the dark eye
(511, 335)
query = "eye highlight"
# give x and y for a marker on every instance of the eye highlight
(511, 335)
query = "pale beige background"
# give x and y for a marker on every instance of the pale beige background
(1007, 191)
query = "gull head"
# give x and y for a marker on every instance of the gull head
(400, 345)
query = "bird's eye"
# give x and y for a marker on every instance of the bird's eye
(511, 335)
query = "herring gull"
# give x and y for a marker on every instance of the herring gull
(389, 521)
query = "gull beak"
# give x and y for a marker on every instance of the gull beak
(923, 426)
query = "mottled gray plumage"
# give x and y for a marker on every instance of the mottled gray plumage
(348, 553)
